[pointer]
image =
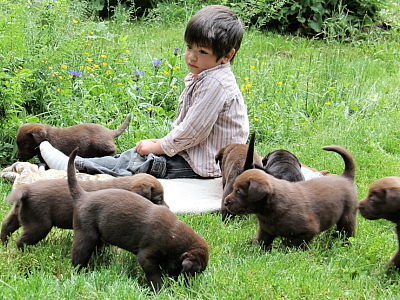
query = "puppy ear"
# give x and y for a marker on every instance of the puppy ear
(190, 265)
(393, 199)
(38, 135)
(220, 154)
(257, 190)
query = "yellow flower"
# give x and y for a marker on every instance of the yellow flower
(328, 103)
(103, 56)
(119, 83)
(50, 68)
(149, 108)
(89, 60)
(166, 72)
(57, 90)
(96, 66)
(176, 68)
(91, 32)
(252, 67)
(256, 119)
(174, 86)
(64, 66)
(81, 67)
(242, 89)
(104, 64)
(280, 82)
(127, 51)
(246, 78)
(120, 60)
(108, 72)
(248, 85)
(75, 21)
(263, 63)
(88, 68)
(60, 77)
(86, 53)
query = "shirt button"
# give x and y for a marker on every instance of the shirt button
(172, 151)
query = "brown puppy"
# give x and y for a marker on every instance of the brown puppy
(383, 202)
(40, 205)
(233, 160)
(159, 239)
(297, 210)
(93, 140)
(283, 164)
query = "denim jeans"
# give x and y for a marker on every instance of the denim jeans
(130, 162)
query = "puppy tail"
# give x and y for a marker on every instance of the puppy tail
(18, 193)
(121, 129)
(74, 188)
(349, 163)
(249, 163)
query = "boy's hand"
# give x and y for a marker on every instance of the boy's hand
(145, 147)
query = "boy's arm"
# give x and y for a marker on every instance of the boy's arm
(145, 147)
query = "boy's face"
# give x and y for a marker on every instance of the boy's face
(200, 58)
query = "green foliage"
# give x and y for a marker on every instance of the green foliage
(323, 18)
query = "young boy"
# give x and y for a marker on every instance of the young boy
(211, 111)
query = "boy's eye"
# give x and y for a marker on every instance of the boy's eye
(187, 46)
(203, 52)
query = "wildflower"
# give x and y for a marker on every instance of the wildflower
(176, 51)
(166, 72)
(138, 74)
(86, 53)
(127, 51)
(149, 108)
(104, 64)
(246, 78)
(176, 68)
(73, 74)
(91, 32)
(263, 63)
(96, 66)
(256, 119)
(119, 83)
(252, 67)
(174, 86)
(280, 82)
(108, 72)
(156, 63)
(248, 85)
(64, 66)
(328, 103)
(120, 60)
(75, 21)
(60, 77)
(50, 68)
(103, 56)
(89, 60)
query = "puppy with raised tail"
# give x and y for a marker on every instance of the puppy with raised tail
(233, 160)
(297, 211)
(93, 140)
(383, 202)
(44, 204)
(127, 220)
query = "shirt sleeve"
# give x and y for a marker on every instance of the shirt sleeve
(207, 102)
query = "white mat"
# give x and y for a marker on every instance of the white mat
(182, 195)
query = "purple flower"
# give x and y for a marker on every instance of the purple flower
(74, 73)
(137, 74)
(156, 63)
(176, 51)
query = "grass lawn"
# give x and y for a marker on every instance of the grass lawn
(302, 94)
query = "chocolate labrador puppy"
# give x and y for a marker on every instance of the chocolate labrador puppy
(40, 205)
(283, 164)
(159, 239)
(233, 159)
(300, 210)
(383, 202)
(93, 140)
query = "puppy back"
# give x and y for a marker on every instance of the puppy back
(74, 188)
(121, 129)
(19, 193)
(349, 163)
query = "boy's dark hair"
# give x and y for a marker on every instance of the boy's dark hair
(216, 27)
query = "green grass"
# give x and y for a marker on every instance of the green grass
(301, 95)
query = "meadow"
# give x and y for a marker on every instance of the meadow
(62, 66)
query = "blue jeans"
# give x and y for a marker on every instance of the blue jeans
(130, 162)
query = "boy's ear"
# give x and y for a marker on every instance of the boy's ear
(227, 58)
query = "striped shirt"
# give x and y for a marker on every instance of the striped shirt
(211, 115)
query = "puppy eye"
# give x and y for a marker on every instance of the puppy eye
(238, 192)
